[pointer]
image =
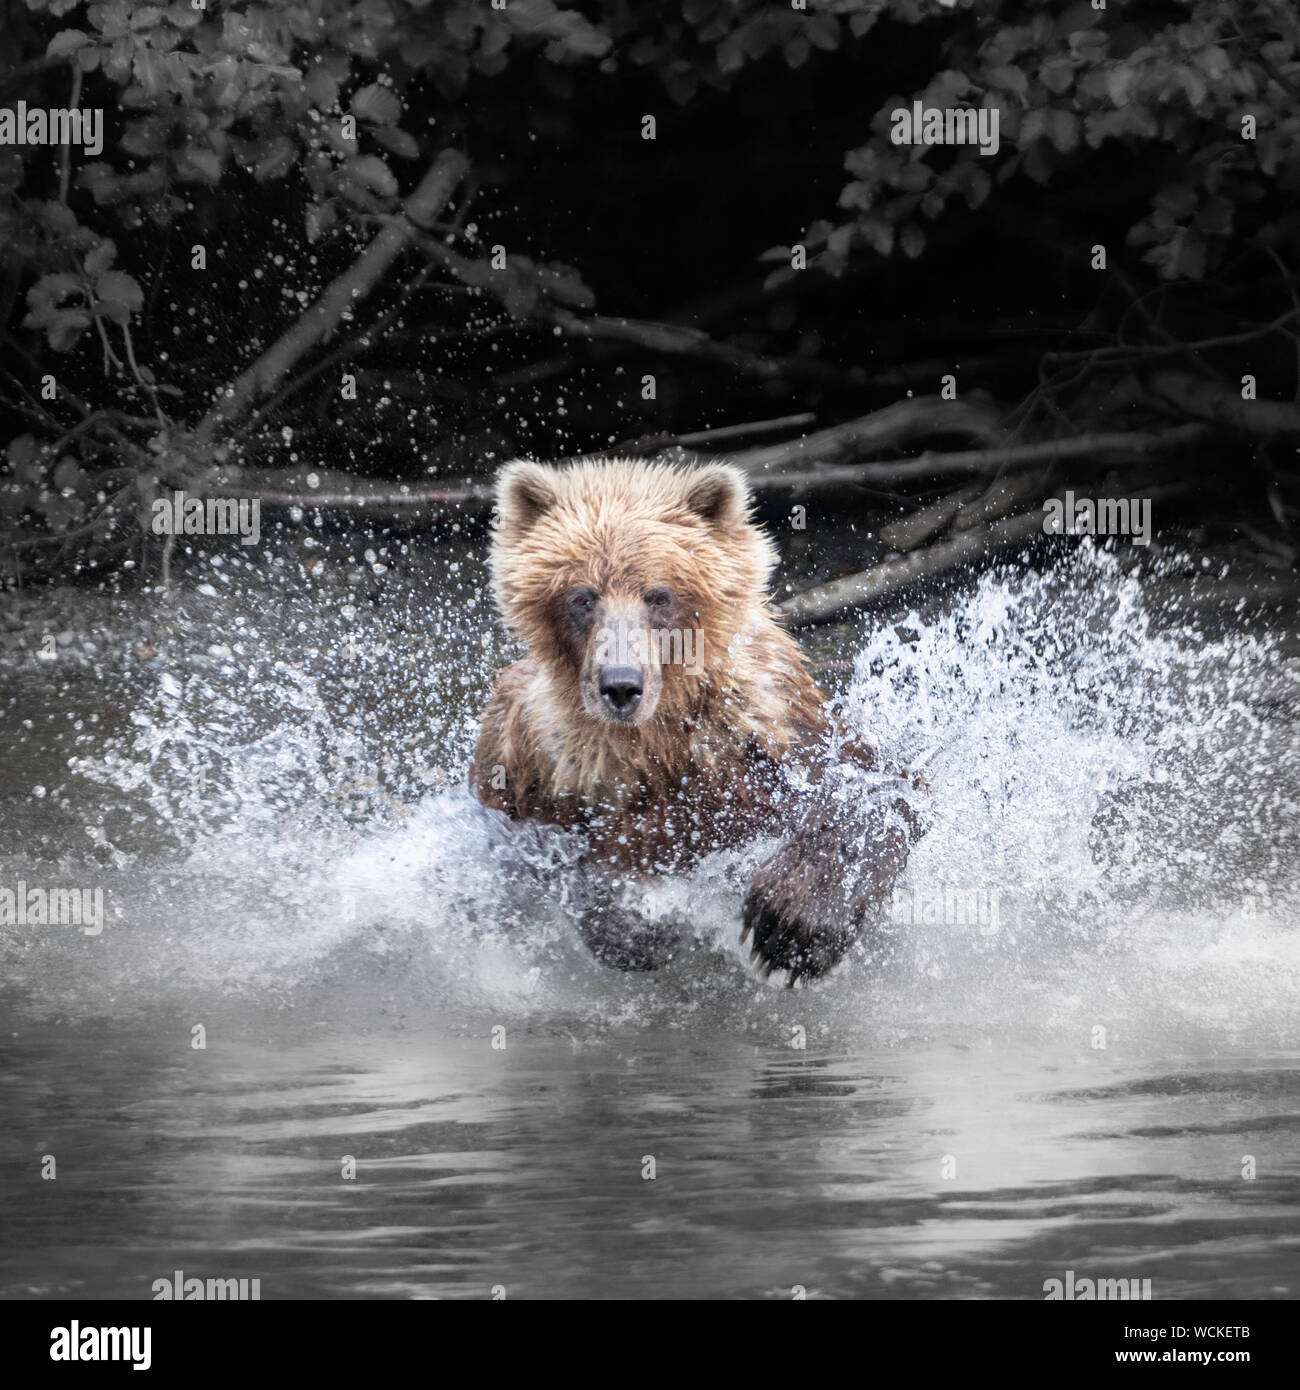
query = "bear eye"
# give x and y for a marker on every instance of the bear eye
(581, 600)
(659, 598)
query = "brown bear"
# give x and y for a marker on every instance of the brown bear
(661, 711)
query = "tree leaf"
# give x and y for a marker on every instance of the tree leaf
(1010, 78)
(21, 450)
(201, 164)
(398, 141)
(100, 257)
(119, 295)
(1063, 130)
(376, 105)
(55, 287)
(67, 41)
(1057, 75)
(824, 32)
(277, 161)
(319, 218)
(371, 173)
(66, 327)
(321, 88)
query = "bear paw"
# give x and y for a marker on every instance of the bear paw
(625, 941)
(813, 898)
(786, 938)
(795, 916)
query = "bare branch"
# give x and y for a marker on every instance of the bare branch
(894, 576)
(917, 527)
(703, 439)
(1001, 497)
(429, 198)
(1090, 447)
(1202, 398)
(886, 428)
(343, 491)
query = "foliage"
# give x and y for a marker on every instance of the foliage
(332, 108)
(1072, 80)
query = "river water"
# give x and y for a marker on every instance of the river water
(338, 1034)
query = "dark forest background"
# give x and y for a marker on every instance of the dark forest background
(350, 256)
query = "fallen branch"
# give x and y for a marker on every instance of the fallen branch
(893, 576)
(1001, 497)
(1205, 399)
(969, 506)
(1137, 353)
(677, 340)
(924, 415)
(885, 428)
(1208, 592)
(855, 590)
(917, 527)
(704, 439)
(1108, 447)
(342, 491)
(425, 203)
(768, 466)
(351, 347)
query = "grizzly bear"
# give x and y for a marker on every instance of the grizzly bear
(662, 712)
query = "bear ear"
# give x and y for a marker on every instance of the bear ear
(525, 493)
(718, 494)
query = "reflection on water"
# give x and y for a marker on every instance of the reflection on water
(1102, 1080)
(524, 1168)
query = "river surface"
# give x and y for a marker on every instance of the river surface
(338, 1034)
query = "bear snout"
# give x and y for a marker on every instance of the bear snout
(621, 682)
(621, 688)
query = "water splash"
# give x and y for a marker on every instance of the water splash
(280, 820)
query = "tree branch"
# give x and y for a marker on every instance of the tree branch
(1092, 447)
(424, 204)
(1212, 401)
(923, 415)
(697, 439)
(894, 576)
(342, 491)
(917, 527)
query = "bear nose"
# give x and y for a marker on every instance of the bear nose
(620, 688)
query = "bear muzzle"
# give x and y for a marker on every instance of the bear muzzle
(621, 681)
(621, 688)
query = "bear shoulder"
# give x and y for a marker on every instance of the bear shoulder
(505, 746)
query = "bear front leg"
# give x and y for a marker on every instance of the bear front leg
(615, 931)
(810, 901)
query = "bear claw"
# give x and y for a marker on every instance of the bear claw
(785, 942)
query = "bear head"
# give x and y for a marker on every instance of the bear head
(629, 581)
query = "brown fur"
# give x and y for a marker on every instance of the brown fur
(697, 765)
